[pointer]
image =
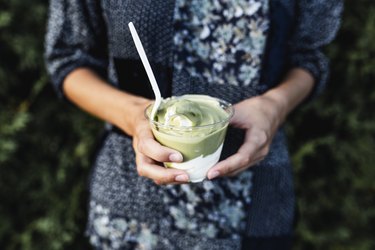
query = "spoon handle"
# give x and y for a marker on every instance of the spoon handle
(146, 65)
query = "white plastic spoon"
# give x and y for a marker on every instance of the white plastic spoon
(146, 64)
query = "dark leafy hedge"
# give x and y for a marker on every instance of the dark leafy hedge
(333, 143)
(46, 145)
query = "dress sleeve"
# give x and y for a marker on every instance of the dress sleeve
(317, 24)
(76, 37)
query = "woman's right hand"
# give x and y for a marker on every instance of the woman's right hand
(91, 93)
(150, 154)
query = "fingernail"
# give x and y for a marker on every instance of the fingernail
(213, 175)
(182, 178)
(175, 157)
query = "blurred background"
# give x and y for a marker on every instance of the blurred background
(46, 145)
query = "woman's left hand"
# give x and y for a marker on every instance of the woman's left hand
(260, 116)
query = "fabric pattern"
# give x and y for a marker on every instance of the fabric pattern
(126, 211)
(109, 231)
(221, 41)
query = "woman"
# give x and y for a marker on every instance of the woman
(264, 56)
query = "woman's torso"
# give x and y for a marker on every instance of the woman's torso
(212, 49)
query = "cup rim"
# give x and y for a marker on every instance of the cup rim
(228, 107)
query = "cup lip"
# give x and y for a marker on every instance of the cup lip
(228, 106)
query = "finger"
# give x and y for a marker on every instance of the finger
(160, 175)
(147, 145)
(232, 166)
(240, 170)
(258, 157)
(241, 159)
(227, 166)
(254, 142)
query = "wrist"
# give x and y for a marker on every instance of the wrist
(132, 114)
(278, 105)
(291, 92)
(94, 95)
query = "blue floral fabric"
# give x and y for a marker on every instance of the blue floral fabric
(221, 42)
(206, 215)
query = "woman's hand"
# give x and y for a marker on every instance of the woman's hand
(85, 88)
(149, 153)
(260, 117)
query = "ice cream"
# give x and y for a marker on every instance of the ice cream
(195, 125)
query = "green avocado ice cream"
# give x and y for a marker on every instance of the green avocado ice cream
(195, 125)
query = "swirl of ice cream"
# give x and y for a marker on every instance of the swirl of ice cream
(190, 111)
(183, 113)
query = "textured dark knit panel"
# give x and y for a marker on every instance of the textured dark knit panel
(317, 23)
(76, 37)
(275, 62)
(299, 31)
(272, 210)
(153, 21)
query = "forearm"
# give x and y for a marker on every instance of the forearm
(91, 93)
(291, 92)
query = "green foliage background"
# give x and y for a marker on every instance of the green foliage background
(46, 145)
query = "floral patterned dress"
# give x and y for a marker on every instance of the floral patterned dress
(219, 42)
